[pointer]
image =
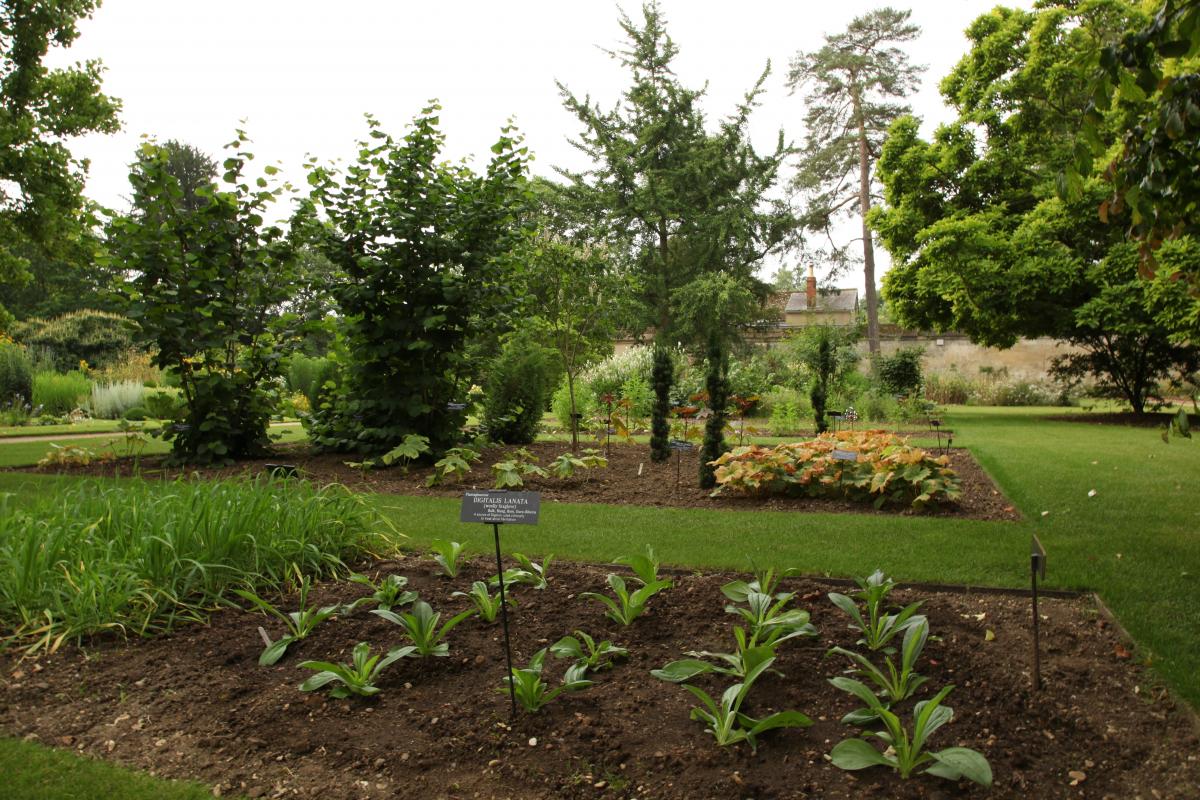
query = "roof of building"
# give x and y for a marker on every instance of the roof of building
(827, 300)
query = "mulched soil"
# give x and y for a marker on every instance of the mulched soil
(196, 704)
(630, 479)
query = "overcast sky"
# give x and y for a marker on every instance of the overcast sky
(301, 73)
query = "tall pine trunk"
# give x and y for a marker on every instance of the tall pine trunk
(864, 202)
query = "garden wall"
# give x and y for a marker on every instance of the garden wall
(1028, 359)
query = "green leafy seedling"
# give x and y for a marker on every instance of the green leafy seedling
(455, 464)
(906, 754)
(529, 573)
(728, 725)
(299, 623)
(356, 678)
(421, 627)
(878, 627)
(897, 683)
(565, 465)
(447, 555)
(644, 565)
(532, 692)
(587, 652)
(769, 620)
(388, 593)
(486, 603)
(412, 447)
(626, 607)
(739, 663)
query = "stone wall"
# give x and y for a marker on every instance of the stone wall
(1028, 359)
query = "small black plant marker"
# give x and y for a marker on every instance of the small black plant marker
(1037, 566)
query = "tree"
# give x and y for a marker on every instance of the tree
(422, 247)
(209, 290)
(191, 168)
(576, 293)
(980, 240)
(683, 201)
(42, 215)
(854, 82)
(1150, 79)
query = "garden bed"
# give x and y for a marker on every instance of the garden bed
(196, 704)
(630, 479)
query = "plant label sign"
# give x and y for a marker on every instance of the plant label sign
(844, 455)
(681, 445)
(501, 508)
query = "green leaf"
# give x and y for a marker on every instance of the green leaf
(682, 670)
(857, 754)
(961, 762)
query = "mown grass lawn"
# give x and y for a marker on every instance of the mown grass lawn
(15, 452)
(33, 772)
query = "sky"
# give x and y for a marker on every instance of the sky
(298, 75)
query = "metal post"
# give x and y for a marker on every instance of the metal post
(512, 688)
(1037, 659)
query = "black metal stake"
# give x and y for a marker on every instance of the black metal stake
(1037, 566)
(512, 688)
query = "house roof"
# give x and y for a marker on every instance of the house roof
(827, 300)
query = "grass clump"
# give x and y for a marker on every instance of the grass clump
(139, 557)
(60, 393)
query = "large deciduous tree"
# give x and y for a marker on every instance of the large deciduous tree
(980, 240)
(422, 248)
(685, 201)
(854, 86)
(42, 215)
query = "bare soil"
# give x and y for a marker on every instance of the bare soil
(630, 478)
(196, 704)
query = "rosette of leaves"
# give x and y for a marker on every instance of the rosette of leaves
(356, 678)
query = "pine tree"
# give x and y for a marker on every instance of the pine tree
(854, 80)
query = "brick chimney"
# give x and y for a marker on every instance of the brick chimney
(810, 289)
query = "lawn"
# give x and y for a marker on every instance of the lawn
(17, 453)
(1136, 540)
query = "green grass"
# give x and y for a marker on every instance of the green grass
(16, 453)
(34, 772)
(86, 426)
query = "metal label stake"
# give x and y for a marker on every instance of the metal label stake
(512, 688)
(502, 508)
(1037, 568)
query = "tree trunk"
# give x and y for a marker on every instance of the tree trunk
(574, 419)
(864, 202)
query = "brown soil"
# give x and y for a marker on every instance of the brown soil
(196, 704)
(630, 479)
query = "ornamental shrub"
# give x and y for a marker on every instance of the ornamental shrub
(307, 375)
(900, 373)
(16, 373)
(718, 403)
(96, 337)
(663, 373)
(516, 390)
(112, 400)
(886, 470)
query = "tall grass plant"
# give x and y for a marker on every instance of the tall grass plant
(60, 393)
(139, 557)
